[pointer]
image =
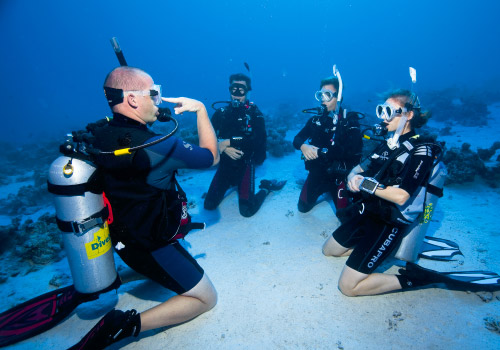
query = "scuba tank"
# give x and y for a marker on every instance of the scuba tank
(81, 213)
(82, 217)
(413, 239)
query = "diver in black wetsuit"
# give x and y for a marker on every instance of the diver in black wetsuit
(331, 146)
(141, 189)
(241, 131)
(380, 219)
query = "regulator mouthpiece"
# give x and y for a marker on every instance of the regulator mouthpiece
(380, 129)
(164, 114)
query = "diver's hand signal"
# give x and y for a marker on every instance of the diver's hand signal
(184, 104)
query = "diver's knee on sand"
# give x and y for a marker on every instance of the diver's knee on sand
(332, 248)
(204, 291)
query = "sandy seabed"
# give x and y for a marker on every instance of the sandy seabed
(277, 290)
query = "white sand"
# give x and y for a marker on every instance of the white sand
(277, 291)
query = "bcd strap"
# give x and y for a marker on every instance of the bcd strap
(186, 228)
(81, 226)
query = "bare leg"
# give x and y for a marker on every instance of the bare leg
(332, 248)
(181, 308)
(353, 283)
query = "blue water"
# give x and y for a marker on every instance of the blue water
(55, 54)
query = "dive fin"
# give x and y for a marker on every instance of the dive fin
(458, 280)
(43, 312)
(434, 248)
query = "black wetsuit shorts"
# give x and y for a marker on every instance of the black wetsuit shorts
(372, 241)
(171, 266)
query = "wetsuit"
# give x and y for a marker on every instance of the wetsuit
(376, 225)
(247, 122)
(141, 190)
(339, 151)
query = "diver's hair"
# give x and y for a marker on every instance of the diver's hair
(405, 98)
(330, 81)
(241, 77)
(126, 78)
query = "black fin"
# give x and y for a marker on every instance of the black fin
(458, 280)
(114, 326)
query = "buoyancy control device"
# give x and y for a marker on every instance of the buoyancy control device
(412, 241)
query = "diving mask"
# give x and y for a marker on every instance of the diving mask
(325, 95)
(387, 112)
(155, 93)
(238, 90)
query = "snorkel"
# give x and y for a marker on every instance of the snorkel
(336, 74)
(393, 142)
(118, 51)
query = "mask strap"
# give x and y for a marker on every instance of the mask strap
(114, 96)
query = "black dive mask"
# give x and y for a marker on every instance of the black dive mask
(238, 90)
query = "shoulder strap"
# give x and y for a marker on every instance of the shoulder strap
(406, 147)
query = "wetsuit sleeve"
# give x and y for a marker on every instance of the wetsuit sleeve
(259, 137)
(174, 153)
(417, 169)
(303, 135)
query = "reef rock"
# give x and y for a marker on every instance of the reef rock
(462, 164)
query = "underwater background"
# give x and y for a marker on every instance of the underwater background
(55, 54)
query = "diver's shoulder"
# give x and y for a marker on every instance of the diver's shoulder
(254, 109)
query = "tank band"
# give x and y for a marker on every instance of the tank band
(81, 226)
(71, 190)
(435, 190)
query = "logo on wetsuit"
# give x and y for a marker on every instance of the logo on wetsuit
(415, 176)
(383, 247)
(383, 156)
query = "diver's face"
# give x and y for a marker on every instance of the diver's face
(239, 98)
(332, 104)
(393, 124)
(147, 107)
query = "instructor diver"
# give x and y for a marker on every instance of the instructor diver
(141, 188)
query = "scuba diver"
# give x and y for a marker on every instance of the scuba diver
(142, 191)
(331, 146)
(241, 132)
(389, 181)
